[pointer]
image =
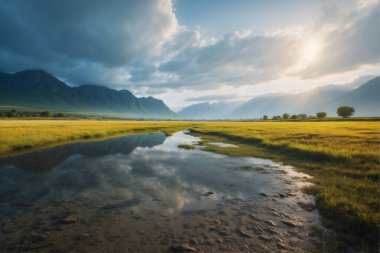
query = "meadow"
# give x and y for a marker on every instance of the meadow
(343, 157)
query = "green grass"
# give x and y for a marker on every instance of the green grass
(186, 146)
(342, 156)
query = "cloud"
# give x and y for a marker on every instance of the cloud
(354, 42)
(140, 45)
(97, 36)
(237, 59)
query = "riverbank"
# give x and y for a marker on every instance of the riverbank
(342, 158)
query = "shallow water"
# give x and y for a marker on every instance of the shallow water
(141, 193)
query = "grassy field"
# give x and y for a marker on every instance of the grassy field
(343, 157)
(21, 135)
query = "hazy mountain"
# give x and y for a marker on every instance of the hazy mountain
(365, 99)
(208, 110)
(36, 88)
(308, 102)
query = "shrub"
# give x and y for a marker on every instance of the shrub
(46, 114)
(321, 115)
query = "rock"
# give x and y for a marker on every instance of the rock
(263, 194)
(243, 233)
(281, 245)
(222, 233)
(196, 240)
(85, 235)
(271, 223)
(182, 247)
(290, 223)
(37, 237)
(211, 242)
(208, 193)
(136, 217)
(69, 219)
(263, 237)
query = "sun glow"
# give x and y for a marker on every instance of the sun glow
(310, 52)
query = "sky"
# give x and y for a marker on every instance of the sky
(192, 51)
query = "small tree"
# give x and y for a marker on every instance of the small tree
(345, 111)
(265, 117)
(46, 114)
(60, 115)
(285, 116)
(321, 115)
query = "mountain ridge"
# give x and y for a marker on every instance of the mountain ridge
(37, 88)
(327, 98)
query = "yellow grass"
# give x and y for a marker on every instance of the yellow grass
(18, 135)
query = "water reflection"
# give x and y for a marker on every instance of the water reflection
(47, 159)
(130, 171)
(119, 186)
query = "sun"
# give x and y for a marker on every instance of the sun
(310, 52)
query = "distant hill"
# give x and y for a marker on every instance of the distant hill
(308, 102)
(365, 99)
(36, 88)
(208, 110)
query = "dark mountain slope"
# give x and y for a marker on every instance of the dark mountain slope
(36, 88)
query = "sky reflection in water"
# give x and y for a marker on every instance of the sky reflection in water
(137, 171)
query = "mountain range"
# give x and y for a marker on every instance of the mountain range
(39, 89)
(365, 99)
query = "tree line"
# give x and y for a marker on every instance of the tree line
(342, 111)
(45, 114)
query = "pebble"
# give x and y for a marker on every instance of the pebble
(290, 223)
(70, 219)
(182, 247)
(270, 222)
(243, 233)
(263, 237)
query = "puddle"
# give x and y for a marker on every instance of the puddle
(141, 193)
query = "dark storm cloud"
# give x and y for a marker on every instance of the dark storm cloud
(82, 36)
